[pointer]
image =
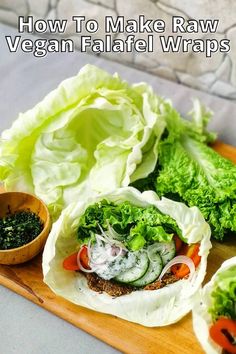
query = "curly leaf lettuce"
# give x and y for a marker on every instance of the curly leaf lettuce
(197, 175)
(224, 295)
(190, 171)
(88, 136)
(136, 226)
(216, 299)
(149, 308)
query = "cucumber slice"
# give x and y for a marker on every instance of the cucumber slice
(135, 272)
(153, 272)
(165, 249)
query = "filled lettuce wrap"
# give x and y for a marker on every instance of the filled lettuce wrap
(214, 311)
(86, 137)
(129, 254)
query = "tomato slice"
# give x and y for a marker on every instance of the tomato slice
(71, 263)
(218, 333)
(190, 251)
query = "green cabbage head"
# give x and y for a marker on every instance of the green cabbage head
(92, 134)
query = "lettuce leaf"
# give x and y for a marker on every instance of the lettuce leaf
(88, 136)
(224, 295)
(199, 176)
(136, 225)
(190, 171)
(217, 298)
(149, 308)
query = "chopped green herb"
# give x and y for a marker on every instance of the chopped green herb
(19, 228)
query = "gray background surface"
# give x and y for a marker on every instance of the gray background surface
(24, 80)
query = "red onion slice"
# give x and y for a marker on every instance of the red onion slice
(177, 260)
(102, 257)
(115, 235)
(108, 236)
(80, 265)
(89, 249)
(91, 262)
(108, 250)
(113, 251)
(102, 238)
(105, 253)
(104, 235)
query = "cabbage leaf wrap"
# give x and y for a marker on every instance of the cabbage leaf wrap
(147, 307)
(216, 299)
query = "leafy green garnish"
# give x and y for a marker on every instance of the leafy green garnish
(137, 226)
(224, 295)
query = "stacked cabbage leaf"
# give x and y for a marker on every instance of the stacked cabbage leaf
(86, 137)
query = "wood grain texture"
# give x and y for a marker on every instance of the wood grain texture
(26, 280)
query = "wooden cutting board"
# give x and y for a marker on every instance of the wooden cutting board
(27, 280)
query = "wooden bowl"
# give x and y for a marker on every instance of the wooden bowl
(18, 201)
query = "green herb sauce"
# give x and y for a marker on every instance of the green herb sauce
(19, 228)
